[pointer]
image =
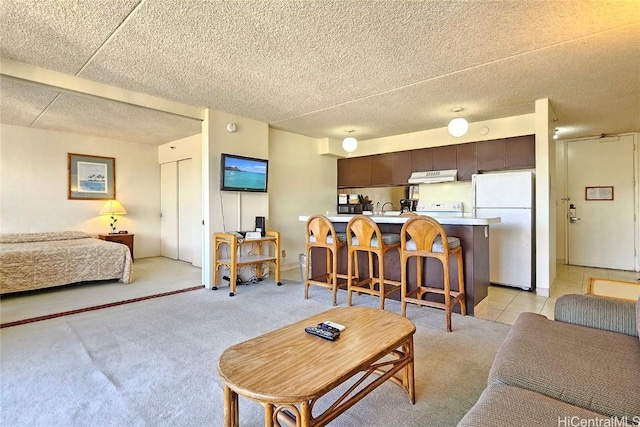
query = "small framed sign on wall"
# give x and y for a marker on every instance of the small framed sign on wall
(91, 177)
(598, 193)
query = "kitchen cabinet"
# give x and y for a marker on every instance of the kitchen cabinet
(466, 161)
(401, 171)
(520, 152)
(444, 157)
(507, 154)
(491, 155)
(421, 160)
(382, 169)
(354, 172)
(469, 158)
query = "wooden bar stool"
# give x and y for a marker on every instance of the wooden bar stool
(320, 233)
(423, 237)
(364, 235)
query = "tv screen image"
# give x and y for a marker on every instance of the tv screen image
(239, 173)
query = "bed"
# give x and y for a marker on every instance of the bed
(43, 260)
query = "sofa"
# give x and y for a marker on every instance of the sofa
(581, 369)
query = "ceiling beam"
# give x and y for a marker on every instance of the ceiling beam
(80, 86)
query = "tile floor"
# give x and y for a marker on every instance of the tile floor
(505, 304)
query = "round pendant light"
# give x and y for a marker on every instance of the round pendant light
(459, 126)
(349, 144)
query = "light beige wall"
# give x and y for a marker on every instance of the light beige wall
(301, 182)
(545, 198)
(226, 210)
(498, 128)
(33, 186)
(562, 206)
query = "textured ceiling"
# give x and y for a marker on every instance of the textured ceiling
(319, 68)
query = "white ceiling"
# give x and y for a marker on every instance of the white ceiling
(320, 68)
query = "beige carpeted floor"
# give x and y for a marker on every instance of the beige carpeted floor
(153, 363)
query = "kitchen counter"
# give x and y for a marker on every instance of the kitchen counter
(473, 232)
(397, 219)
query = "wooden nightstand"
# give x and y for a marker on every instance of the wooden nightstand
(125, 239)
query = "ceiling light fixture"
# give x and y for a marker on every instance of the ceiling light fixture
(459, 126)
(349, 144)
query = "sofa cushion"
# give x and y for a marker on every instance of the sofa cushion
(598, 312)
(504, 405)
(591, 368)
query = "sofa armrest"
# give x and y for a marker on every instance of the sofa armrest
(597, 312)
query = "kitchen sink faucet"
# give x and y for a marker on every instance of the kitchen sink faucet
(385, 204)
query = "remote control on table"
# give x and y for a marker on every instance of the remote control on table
(338, 326)
(328, 328)
(322, 333)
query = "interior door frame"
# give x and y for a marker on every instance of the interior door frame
(563, 203)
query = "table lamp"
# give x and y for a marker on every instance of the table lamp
(113, 208)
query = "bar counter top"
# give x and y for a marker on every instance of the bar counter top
(397, 219)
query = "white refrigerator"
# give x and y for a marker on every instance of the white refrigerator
(509, 195)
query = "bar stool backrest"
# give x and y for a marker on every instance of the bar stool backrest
(362, 231)
(321, 232)
(426, 234)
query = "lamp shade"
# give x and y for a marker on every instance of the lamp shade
(112, 207)
(458, 127)
(349, 144)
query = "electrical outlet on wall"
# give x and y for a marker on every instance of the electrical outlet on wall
(284, 253)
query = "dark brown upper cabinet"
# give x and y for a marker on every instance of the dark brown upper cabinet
(401, 167)
(520, 152)
(491, 155)
(382, 169)
(444, 157)
(354, 172)
(469, 158)
(421, 160)
(466, 161)
(506, 154)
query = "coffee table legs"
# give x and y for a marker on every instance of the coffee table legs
(231, 415)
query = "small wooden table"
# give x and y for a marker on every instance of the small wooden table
(125, 239)
(619, 289)
(235, 259)
(288, 370)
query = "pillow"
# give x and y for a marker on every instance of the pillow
(43, 237)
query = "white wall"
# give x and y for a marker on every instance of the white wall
(545, 198)
(498, 128)
(33, 186)
(230, 210)
(301, 182)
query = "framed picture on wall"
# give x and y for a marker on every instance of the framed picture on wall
(91, 177)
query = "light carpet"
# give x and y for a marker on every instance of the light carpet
(153, 362)
(151, 276)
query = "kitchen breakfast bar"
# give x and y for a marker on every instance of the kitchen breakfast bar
(473, 233)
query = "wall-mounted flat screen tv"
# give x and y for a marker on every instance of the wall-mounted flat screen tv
(239, 173)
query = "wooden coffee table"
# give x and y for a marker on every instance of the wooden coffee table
(288, 370)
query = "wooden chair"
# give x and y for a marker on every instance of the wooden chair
(320, 233)
(424, 237)
(364, 235)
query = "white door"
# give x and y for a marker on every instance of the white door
(169, 210)
(603, 235)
